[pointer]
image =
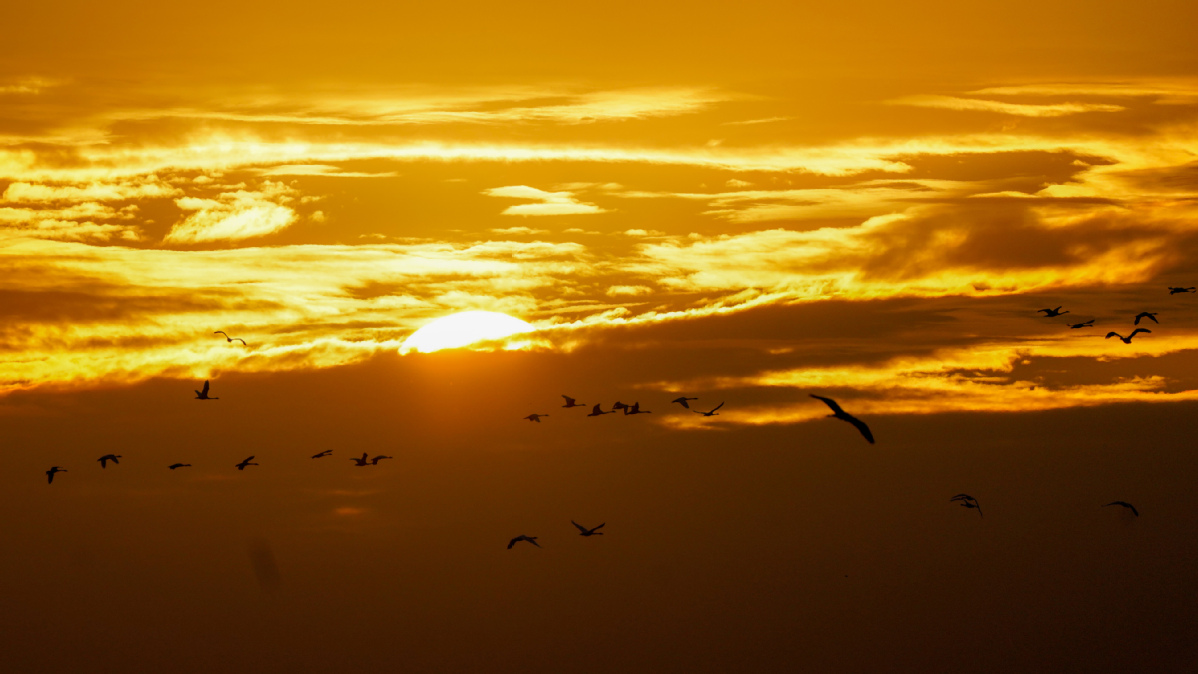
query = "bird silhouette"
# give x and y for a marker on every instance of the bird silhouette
(1050, 313)
(50, 473)
(203, 393)
(711, 413)
(535, 417)
(243, 464)
(1174, 291)
(682, 401)
(968, 501)
(596, 412)
(635, 409)
(380, 457)
(530, 539)
(1127, 339)
(1146, 314)
(845, 416)
(588, 532)
(618, 406)
(1125, 504)
(570, 402)
(230, 339)
(1086, 324)
(181, 465)
(108, 457)
(361, 461)
(322, 454)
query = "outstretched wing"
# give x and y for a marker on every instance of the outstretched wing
(860, 426)
(569, 401)
(1136, 331)
(718, 406)
(1113, 334)
(514, 541)
(682, 401)
(238, 339)
(830, 403)
(204, 391)
(580, 527)
(599, 527)
(220, 332)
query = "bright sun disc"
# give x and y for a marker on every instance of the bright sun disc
(463, 329)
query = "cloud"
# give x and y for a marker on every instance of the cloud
(551, 203)
(1020, 109)
(234, 216)
(521, 231)
(24, 192)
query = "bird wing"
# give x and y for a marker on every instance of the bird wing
(204, 391)
(569, 401)
(961, 497)
(580, 527)
(1047, 311)
(514, 541)
(860, 426)
(599, 527)
(1113, 334)
(1138, 330)
(50, 475)
(220, 332)
(718, 406)
(682, 401)
(238, 339)
(830, 403)
(532, 540)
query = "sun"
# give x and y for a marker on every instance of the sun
(464, 329)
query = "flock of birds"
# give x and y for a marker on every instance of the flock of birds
(964, 500)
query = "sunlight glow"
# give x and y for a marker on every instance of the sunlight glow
(464, 329)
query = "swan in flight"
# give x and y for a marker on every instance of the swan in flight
(682, 401)
(1146, 314)
(1087, 324)
(597, 412)
(1127, 339)
(968, 501)
(570, 402)
(322, 454)
(619, 406)
(203, 393)
(1125, 504)
(246, 462)
(636, 409)
(108, 457)
(588, 532)
(179, 465)
(1050, 313)
(711, 413)
(535, 417)
(230, 339)
(1174, 291)
(845, 416)
(530, 539)
(50, 473)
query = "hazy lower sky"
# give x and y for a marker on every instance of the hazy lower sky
(742, 202)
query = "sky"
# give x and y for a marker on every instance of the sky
(746, 203)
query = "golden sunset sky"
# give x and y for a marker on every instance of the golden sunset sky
(743, 202)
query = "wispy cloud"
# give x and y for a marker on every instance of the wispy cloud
(1020, 109)
(549, 203)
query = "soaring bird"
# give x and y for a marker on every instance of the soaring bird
(571, 403)
(108, 457)
(243, 464)
(535, 417)
(636, 409)
(530, 539)
(1125, 504)
(322, 454)
(1087, 324)
(203, 393)
(588, 532)
(1146, 314)
(845, 416)
(596, 412)
(618, 406)
(1127, 339)
(1050, 313)
(180, 465)
(711, 413)
(1174, 291)
(361, 461)
(230, 339)
(380, 457)
(682, 401)
(50, 473)
(968, 501)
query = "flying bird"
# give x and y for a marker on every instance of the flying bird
(571, 403)
(845, 416)
(1125, 504)
(596, 412)
(535, 417)
(1146, 314)
(588, 532)
(203, 393)
(361, 461)
(380, 457)
(108, 457)
(179, 465)
(1050, 313)
(1127, 339)
(1087, 324)
(230, 339)
(50, 473)
(322, 454)
(1174, 291)
(618, 406)
(636, 409)
(968, 501)
(682, 401)
(530, 539)
(243, 464)
(711, 413)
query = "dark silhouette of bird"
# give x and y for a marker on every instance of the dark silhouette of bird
(618, 406)
(845, 416)
(360, 461)
(322, 454)
(1050, 313)
(588, 532)
(179, 465)
(230, 339)
(1087, 324)
(635, 409)
(108, 457)
(243, 464)
(682, 401)
(535, 417)
(1174, 291)
(1125, 504)
(380, 457)
(711, 413)
(1127, 339)
(1147, 314)
(530, 539)
(968, 501)
(570, 402)
(203, 393)
(596, 412)
(50, 473)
